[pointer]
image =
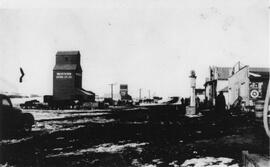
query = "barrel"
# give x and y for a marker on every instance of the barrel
(259, 104)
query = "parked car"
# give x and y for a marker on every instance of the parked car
(12, 119)
(33, 104)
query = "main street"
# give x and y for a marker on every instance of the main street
(137, 137)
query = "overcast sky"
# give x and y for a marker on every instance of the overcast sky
(146, 44)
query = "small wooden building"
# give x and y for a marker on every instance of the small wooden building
(217, 82)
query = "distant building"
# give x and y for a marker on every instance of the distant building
(124, 93)
(199, 92)
(123, 90)
(217, 81)
(116, 96)
(67, 78)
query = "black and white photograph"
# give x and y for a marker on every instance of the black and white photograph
(134, 83)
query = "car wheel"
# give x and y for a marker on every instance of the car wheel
(28, 122)
(27, 128)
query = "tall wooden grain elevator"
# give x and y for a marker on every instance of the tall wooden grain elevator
(67, 78)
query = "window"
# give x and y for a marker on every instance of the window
(5, 102)
(66, 59)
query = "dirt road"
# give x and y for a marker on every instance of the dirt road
(131, 138)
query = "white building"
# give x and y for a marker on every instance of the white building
(250, 83)
(217, 81)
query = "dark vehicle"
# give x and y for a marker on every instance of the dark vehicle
(12, 119)
(33, 104)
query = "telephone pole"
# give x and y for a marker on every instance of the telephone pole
(112, 90)
(140, 93)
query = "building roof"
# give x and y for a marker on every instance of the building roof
(223, 73)
(259, 71)
(85, 92)
(65, 67)
(211, 82)
(225, 89)
(199, 90)
(67, 53)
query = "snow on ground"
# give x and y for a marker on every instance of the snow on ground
(149, 165)
(53, 120)
(14, 141)
(6, 165)
(41, 115)
(112, 148)
(58, 125)
(50, 121)
(137, 163)
(102, 148)
(44, 115)
(209, 162)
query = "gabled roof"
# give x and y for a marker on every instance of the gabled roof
(259, 71)
(223, 73)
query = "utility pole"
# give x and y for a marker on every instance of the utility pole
(112, 90)
(140, 93)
